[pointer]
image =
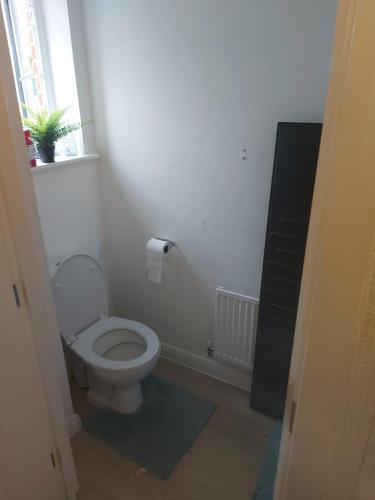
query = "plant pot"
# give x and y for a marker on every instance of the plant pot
(47, 153)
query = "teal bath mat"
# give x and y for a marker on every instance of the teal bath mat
(160, 432)
(266, 482)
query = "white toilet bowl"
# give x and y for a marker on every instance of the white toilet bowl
(119, 352)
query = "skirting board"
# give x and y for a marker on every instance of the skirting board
(74, 424)
(225, 372)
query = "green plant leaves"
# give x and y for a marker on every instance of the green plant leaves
(46, 128)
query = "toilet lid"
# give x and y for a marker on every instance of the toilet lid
(80, 293)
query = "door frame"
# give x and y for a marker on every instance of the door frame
(34, 287)
(27, 442)
(331, 383)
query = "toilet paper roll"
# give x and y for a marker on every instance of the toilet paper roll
(156, 251)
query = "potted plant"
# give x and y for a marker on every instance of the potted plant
(46, 128)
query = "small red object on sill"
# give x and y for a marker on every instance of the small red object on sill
(30, 148)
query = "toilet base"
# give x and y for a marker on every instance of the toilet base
(126, 400)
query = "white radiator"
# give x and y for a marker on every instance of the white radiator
(235, 327)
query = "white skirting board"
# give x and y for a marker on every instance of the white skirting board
(230, 374)
(74, 424)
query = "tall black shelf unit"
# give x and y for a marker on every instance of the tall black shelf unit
(296, 157)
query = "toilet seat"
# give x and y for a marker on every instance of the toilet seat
(84, 344)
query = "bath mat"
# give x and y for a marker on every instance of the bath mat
(158, 435)
(266, 481)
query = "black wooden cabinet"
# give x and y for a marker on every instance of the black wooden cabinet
(296, 156)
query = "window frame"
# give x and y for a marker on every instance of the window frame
(11, 29)
(13, 52)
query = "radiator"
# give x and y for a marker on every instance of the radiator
(235, 327)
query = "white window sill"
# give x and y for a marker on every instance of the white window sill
(62, 161)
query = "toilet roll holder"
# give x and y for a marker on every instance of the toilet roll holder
(170, 244)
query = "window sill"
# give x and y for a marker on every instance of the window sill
(63, 161)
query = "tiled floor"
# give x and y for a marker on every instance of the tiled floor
(223, 463)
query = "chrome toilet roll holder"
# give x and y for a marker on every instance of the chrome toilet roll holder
(170, 245)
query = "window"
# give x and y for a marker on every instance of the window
(42, 54)
(28, 64)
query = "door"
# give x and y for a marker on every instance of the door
(328, 443)
(29, 462)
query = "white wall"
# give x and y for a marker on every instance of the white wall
(179, 89)
(69, 209)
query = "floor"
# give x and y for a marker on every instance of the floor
(223, 463)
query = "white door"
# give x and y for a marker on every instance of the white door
(29, 463)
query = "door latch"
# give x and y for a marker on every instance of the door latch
(16, 295)
(292, 416)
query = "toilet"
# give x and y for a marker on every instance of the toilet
(119, 353)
